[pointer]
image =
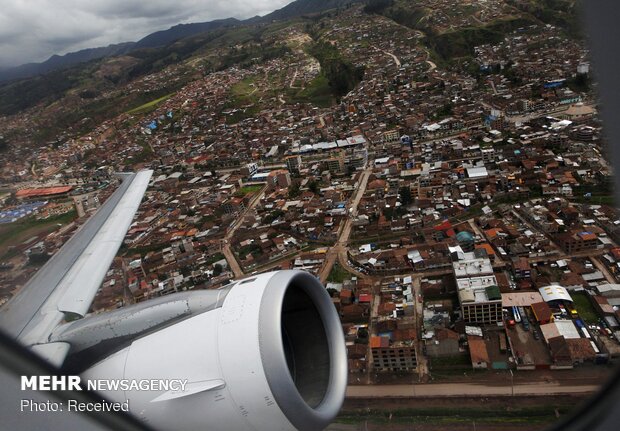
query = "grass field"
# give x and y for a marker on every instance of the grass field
(584, 307)
(446, 416)
(142, 250)
(247, 190)
(318, 92)
(243, 93)
(595, 200)
(142, 156)
(452, 361)
(15, 233)
(338, 274)
(245, 87)
(149, 106)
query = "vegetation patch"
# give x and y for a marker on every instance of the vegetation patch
(246, 56)
(561, 13)
(149, 106)
(141, 250)
(214, 258)
(244, 90)
(507, 415)
(341, 75)
(15, 233)
(318, 92)
(404, 13)
(253, 249)
(461, 361)
(338, 274)
(461, 43)
(584, 307)
(246, 190)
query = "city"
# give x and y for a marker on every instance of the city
(440, 168)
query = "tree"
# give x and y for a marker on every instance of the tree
(445, 110)
(405, 195)
(38, 258)
(314, 187)
(377, 6)
(293, 190)
(217, 269)
(342, 75)
(580, 83)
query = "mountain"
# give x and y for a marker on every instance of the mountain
(180, 31)
(166, 37)
(56, 62)
(153, 40)
(303, 7)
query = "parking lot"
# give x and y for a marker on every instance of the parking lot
(526, 348)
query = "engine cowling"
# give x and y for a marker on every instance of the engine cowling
(272, 357)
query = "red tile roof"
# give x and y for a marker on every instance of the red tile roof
(379, 341)
(45, 191)
(365, 298)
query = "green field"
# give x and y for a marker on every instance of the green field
(244, 92)
(246, 190)
(149, 106)
(338, 274)
(451, 361)
(584, 307)
(15, 233)
(447, 416)
(318, 92)
(142, 156)
(595, 200)
(141, 250)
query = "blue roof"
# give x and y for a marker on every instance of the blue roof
(464, 236)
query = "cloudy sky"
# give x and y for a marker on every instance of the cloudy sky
(33, 30)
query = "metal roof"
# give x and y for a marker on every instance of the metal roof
(554, 293)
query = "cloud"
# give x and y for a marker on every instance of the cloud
(33, 30)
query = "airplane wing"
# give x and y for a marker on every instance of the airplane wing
(65, 286)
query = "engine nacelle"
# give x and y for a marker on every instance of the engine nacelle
(272, 357)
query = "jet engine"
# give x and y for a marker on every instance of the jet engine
(268, 354)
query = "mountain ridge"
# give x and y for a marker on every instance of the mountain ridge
(164, 37)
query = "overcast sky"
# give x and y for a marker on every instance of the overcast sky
(33, 30)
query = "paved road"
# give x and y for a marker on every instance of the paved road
(339, 250)
(466, 389)
(261, 167)
(226, 248)
(412, 273)
(599, 265)
(376, 301)
(419, 314)
(232, 261)
(555, 257)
